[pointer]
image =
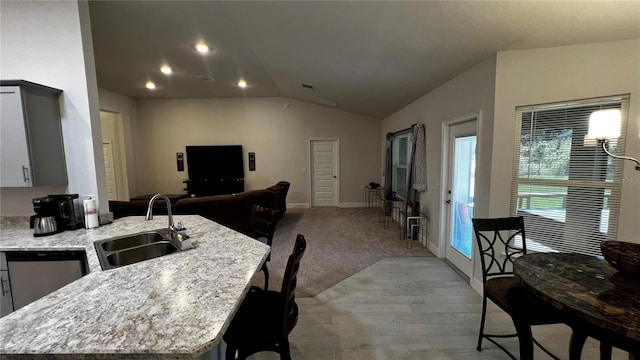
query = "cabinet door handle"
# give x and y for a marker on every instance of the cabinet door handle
(2, 281)
(25, 174)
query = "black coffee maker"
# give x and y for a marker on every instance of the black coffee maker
(56, 213)
(69, 214)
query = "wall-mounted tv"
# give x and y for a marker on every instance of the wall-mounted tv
(215, 162)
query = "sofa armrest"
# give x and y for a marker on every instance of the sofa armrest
(135, 208)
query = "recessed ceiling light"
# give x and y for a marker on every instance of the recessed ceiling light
(150, 85)
(166, 69)
(202, 48)
(242, 84)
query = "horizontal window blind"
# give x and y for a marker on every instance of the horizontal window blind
(566, 188)
(401, 161)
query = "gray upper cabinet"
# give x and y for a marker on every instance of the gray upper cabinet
(32, 151)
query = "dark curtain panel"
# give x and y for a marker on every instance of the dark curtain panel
(410, 197)
(388, 168)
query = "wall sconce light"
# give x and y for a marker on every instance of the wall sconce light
(605, 125)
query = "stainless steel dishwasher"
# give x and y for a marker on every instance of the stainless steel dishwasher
(34, 274)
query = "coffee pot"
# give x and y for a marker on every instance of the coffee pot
(45, 221)
(44, 225)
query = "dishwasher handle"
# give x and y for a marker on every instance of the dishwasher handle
(2, 287)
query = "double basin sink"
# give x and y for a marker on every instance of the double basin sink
(130, 249)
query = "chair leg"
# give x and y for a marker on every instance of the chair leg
(266, 276)
(484, 315)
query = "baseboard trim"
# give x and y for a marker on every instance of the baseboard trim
(351, 205)
(477, 285)
(460, 273)
(433, 248)
(298, 206)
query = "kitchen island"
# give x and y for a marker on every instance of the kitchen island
(171, 307)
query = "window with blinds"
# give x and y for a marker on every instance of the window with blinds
(566, 187)
(401, 154)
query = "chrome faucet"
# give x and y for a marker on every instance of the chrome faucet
(149, 216)
(177, 234)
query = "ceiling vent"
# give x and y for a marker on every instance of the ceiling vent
(206, 78)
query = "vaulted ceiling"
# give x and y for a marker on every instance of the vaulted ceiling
(371, 58)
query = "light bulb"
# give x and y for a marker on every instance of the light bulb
(242, 84)
(166, 69)
(202, 48)
(150, 85)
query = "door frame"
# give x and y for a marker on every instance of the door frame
(444, 181)
(336, 164)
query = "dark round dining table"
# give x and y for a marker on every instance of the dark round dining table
(593, 298)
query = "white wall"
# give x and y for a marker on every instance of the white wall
(557, 74)
(276, 129)
(50, 43)
(468, 93)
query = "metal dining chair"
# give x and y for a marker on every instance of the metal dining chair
(496, 245)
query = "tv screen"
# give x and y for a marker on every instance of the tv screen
(215, 162)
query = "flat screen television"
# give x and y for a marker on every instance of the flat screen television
(215, 162)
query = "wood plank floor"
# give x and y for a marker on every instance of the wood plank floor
(408, 308)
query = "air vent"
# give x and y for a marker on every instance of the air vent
(206, 78)
(307, 86)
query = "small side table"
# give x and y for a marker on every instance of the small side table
(391, 205)
(419, 222)
(371, 196)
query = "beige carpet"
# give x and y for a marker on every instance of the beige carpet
(340, 243)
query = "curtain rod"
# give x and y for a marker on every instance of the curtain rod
(400, 132)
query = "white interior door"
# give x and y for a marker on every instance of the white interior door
(115, 162)
(460, 193)
(110, 170)
(324, 172)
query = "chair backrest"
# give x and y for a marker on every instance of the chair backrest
(284, 189)
(495, 238)
(263, 223)
(288, 290)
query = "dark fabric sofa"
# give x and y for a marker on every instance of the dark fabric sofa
(233, 211)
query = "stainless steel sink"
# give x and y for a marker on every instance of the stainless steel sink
(141, 253)
(125, 242)
(130, 249)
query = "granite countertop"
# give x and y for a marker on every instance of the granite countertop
(172, 307)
